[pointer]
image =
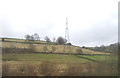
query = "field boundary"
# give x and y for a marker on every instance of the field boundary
(25, 42)
(87, 58)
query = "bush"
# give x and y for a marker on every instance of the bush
(45, 49)
(53, 48)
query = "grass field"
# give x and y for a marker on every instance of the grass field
(20, 40)
(101, 57)
(59, 63)
(39, 48)
(44, 57)
(32, 64)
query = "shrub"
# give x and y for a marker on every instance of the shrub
(53, 48)
(45, 49)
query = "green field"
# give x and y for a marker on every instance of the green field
(101, 57)
(56, 57)
(44, 57)
(16, 62)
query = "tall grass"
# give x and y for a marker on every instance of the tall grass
(5, 70)
(52, 69)
(47, 68)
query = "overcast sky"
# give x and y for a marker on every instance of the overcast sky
(90, 22)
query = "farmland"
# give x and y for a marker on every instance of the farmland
(39, 47)
(37, 64)
(62, 64)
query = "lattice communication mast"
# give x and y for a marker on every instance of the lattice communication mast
(67, 36)
(67, 32)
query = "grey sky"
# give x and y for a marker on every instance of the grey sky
(91, 22)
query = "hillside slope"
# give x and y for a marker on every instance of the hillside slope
(12, 43)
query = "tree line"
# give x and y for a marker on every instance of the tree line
(36, 37)
(112, 48)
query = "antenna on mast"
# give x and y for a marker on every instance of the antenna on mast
(67, 36)
(67, 32)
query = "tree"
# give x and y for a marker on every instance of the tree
(61, 40)
(83, 46)
(45, 49)
(36, 36)
(69, 44)
(27, 37)
(102, 48)
(47, 39)
(32, 38)
(53, 48)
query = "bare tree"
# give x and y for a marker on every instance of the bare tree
(30, 38)
(47, 39)
(27, 37)
(36, 36)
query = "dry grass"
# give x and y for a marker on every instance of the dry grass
(86, 51)
(21, 40)
(5, 70)
(53, 69)
(47, 68)
(39, 48)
